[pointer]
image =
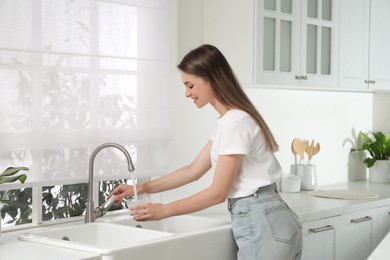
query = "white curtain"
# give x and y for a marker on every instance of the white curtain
(78, 73)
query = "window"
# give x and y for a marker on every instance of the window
(74, 75)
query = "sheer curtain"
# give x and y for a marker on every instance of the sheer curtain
(78, 73)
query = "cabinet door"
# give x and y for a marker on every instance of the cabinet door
(383, 222)
(354, 44)
(228, 24)
(277, 46)
(319, 239)
(297, 42)
(357, 236)
(380, 45)
(319, 43)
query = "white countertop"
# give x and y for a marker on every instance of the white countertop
(307, 207)
(382, 251)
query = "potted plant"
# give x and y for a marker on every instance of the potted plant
(9, 176)
(377, 144)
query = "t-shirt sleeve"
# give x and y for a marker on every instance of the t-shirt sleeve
(235, 137)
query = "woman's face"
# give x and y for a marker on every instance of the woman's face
(198, 90)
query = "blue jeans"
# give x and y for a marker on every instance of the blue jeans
(264, 227)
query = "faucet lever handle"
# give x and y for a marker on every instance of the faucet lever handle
(102, 209)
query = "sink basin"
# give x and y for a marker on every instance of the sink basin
(176, 225)
(98, 237)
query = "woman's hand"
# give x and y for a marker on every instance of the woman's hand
(148, 211)
(122, 191)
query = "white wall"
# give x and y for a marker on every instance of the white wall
(329, 117)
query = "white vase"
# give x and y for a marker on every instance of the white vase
(380, 172)
(308, 175)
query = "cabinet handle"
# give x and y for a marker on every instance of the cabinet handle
(358, 220)
(321, 229)
(298, 77)
(369, 81)
(304, 77)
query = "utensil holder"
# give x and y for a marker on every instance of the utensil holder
(308, 175)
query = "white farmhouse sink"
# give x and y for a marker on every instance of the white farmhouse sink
(176, 225)
(98, 237)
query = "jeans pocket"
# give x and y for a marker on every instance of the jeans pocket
(282, 223)
(239, 208)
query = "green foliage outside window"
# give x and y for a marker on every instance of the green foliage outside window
(62, 201)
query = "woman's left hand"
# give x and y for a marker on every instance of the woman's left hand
(148, 211)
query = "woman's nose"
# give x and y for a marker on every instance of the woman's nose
(188, 93)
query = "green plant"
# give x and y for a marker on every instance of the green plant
(8, 176)
(376, 144)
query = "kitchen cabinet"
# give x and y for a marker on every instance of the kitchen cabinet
(348, 236)
(319, 239)
(383, 222)
(356, 235)
(379, 64)
(296, 42)
(365, 44)
(330, 44)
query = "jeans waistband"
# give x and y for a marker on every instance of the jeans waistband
(265, 188)
(271, 187)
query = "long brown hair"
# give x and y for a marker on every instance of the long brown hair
(208, 62)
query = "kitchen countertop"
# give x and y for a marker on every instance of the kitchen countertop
(382, 251)
(307, 207)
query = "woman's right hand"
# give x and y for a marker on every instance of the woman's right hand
(122, 191)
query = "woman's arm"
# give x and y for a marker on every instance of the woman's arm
(225, 173)
(180, 177)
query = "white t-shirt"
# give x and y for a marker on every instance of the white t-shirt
(237, 133)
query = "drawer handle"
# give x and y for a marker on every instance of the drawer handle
(358, 220)
(321, 229)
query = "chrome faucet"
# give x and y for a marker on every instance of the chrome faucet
(92, 213)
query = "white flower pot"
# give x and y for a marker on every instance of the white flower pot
(380, 172)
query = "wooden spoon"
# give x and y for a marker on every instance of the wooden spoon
(299, 148)
(293, 151)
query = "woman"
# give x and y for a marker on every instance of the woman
(241, 154)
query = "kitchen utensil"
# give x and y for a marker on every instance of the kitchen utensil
(294, 152)
(316, 149)
(300, 148)
(312, 150)
(309, 149)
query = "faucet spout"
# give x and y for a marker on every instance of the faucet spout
(90, 215)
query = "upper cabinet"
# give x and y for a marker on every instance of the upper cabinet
(379, 62)
(296, 42)
(314, 43)
(365, 44)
